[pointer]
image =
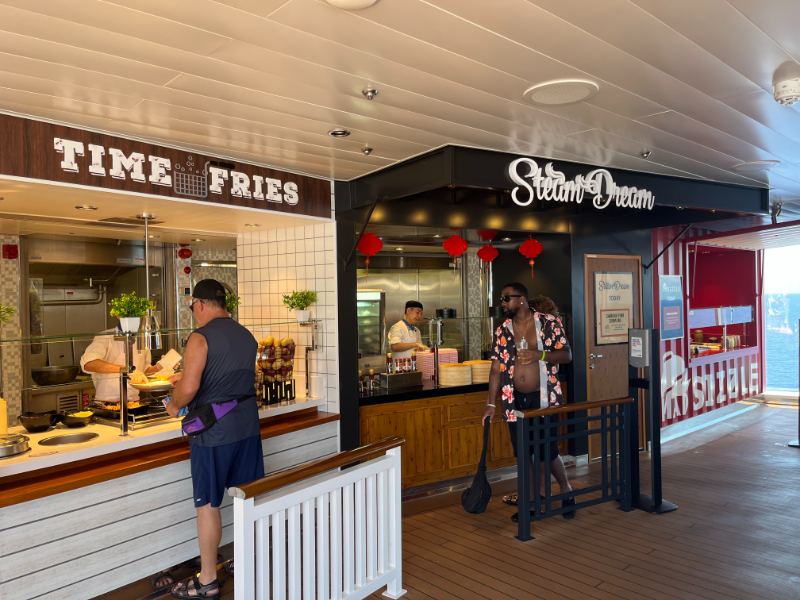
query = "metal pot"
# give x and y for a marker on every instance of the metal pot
(13, 444)
(55, 375)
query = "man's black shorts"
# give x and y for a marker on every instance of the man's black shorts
(530, 401)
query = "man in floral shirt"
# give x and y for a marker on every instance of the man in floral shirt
(527, 349)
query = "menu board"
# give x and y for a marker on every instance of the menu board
(613, 299)
(671, 304)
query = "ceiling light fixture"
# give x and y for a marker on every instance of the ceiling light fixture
(399, 249)
(198, 240)
(252, 224)
(352, 4)
(1, 198)
(646, 154)
(369, 93)
(506, 239)
(561, 92)
(339, 132)
(755, 165)
(86, 207)
(367, 151)
(438, 235)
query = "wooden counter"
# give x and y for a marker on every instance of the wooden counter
(87, 527)
(443, 434)
(54, 480)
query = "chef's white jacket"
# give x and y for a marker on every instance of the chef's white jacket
(401, 334)
(104, 347)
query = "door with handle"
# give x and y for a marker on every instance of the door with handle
(607, 364)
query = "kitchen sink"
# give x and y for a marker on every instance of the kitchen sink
(72, 438)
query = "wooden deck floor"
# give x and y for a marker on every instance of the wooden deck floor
(735, 534)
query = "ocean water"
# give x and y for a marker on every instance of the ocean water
(782, 318)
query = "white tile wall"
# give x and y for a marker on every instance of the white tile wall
(276, 262)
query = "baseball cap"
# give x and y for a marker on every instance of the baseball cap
(209, 289)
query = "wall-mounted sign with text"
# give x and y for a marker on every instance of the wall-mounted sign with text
(671, 304)
(50, 152)
(613, 297)
(553, 186)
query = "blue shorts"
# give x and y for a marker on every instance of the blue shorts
(220, 467)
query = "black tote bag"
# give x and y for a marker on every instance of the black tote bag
(476, 498)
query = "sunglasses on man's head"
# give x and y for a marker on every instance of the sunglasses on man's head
(509, 297)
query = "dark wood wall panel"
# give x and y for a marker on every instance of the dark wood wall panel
(28, 151)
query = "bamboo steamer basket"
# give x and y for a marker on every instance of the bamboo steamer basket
(455, 374)
(480, 370)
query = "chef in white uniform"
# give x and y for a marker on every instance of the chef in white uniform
(404, 336)
(105, 358)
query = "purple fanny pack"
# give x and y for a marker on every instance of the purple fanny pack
(202, 418)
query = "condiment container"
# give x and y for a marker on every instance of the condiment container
(698, 336)
(371, 380)
(388, 362)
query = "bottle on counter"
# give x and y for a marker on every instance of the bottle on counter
(361, 382)
(388, 362)
(407, 365)
(398, 365)
(3, 417)
(371, 380)
(413, 360)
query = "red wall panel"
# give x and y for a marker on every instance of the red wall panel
(693, 387)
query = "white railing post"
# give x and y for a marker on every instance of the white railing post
(394, 589)
(243, 548)
(332, 536)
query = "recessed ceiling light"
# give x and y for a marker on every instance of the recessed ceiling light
(506, 239)
(352, 4)
(198, 240)
(366, 150)
(339, 132)
(86, 207)
(399, 249)
(561, 92)
(369, 92)
(438, 235)
(756, 165)
(252, 224)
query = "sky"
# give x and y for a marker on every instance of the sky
(782, 270)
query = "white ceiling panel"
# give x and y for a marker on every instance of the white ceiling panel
(265, 80)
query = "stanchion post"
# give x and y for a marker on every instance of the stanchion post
(523, 480)
(796, 443)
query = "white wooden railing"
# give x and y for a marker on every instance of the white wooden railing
(319, 532)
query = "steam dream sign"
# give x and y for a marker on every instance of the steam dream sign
(613, 303)
(671, 304)
(553, 186)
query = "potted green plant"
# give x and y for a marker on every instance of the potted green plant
(232, 302)
(299, 302)
(130, 309)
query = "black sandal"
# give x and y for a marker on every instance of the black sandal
(570, 513)
(166, 574)
(182, 589)
(511, 500)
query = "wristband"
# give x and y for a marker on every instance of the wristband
(542, 356)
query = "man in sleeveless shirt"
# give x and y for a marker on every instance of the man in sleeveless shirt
(219, 366)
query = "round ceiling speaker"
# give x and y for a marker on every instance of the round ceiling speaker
(352, 4)
(756, 165)
(561, 92)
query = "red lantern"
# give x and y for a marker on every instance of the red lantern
(184, 253)
(531, 249)
(369, 245)
(455, 246)
(488, 253)
(487, 235)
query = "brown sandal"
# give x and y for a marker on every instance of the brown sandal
(511, 500)
(182, 589)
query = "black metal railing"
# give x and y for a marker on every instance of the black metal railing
(616, 425)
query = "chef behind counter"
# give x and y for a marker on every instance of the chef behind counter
(404, 336)
(105, 358)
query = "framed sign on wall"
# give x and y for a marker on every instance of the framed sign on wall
(613, 307)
